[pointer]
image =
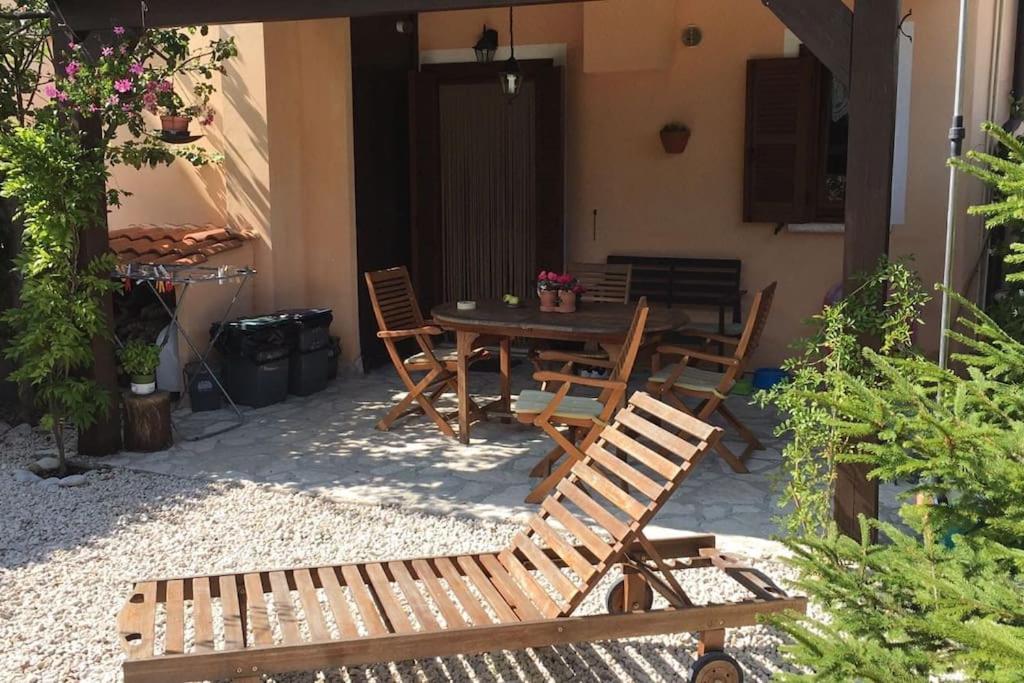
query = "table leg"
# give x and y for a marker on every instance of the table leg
(505, 361)
(464, 347)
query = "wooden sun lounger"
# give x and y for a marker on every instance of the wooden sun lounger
(239, 626)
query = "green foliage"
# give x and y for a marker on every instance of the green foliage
(945, 598)
(882, 309)
(54, 180)
(940, 594)
(1003, 171)
(139, 358)
(58, 182)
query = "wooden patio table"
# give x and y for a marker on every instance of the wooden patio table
(603, 323)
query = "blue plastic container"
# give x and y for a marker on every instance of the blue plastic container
(766, 378)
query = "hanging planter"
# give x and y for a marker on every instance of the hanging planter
(674, 138)
(174, 125)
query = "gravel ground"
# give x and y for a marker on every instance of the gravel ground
(68, 555)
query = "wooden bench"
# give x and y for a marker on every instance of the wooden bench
(677, 281)
(242, 625)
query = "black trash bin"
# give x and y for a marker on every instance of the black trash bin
(203, 392)
(259, 339)
(310, 328)
(333, 358)
(307, 372)
(256, 384)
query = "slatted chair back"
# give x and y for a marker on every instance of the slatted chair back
(630, 348)
(394, 302)
(601, 507)
(604, 282)
(757, 319)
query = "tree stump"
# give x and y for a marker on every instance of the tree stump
(147, 422)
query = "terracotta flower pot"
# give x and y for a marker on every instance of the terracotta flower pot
(175, 125)
(675, 141)
(567, 302)
(548, 300)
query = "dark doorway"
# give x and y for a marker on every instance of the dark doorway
(384, 50)
(487, 180)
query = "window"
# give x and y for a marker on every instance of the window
(796, 131)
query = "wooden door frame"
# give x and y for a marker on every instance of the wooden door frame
(425, 185)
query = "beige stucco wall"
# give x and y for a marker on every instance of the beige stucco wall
(285, 128)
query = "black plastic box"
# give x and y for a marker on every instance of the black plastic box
(256, 384)
(260, 339)
(310, 328)
(203, 392)
(307, 372)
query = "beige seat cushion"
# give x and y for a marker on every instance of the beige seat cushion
(693, 379)
(442, 355)
(532, 402)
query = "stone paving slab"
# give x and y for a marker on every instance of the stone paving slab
(326, 445)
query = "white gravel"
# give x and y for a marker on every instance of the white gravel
(68, 556)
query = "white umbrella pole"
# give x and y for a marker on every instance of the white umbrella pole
(956, 139)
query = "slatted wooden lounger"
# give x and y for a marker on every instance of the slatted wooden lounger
(240, 626)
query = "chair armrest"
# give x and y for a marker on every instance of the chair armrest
(699, 355)
(403, 334)
(565, 357)
(720, 338)
(548, 376)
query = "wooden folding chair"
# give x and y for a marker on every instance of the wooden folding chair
(242, 625)
(604, 282)
(553, 410)
(399, 318)
(711, 387)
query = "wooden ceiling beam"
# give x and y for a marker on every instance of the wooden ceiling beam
(824, 26)
(88, 15)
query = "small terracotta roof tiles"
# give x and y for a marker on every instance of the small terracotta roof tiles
(174, 244)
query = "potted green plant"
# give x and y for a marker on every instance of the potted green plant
(674, 137)
(139, 361)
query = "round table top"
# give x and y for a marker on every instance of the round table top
(592, 321)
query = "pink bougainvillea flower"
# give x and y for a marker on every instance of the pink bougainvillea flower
(207, 120)
(50, 91)
(62, 96)
(72, 46)
(107, 51)
(72, 68)
(123, 85)
(93, 107)
(119, 30)
(149, 102)
(136, 68)
(114, 100)
(543, 275)
(124, 49)
(165, 86)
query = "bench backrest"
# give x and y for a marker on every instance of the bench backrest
(596, 512)
(676, 281)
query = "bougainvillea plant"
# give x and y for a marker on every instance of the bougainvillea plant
(550, 281)
(55, 161)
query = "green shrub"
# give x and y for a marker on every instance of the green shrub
(139, 359)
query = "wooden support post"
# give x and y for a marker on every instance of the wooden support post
(104, 437)
(873, 80)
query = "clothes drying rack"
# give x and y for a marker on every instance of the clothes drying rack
(161, 277)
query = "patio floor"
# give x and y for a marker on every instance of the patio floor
(326, 445)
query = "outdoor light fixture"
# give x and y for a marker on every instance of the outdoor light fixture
(486, 46)
(511, 76)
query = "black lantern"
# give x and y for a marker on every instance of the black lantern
(486, 46)
(511, 76)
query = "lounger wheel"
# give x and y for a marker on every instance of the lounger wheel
(716, 667)
(615, 600)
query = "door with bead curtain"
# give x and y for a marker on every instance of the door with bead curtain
(490, 217)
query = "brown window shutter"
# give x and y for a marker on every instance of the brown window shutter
(781, 132)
